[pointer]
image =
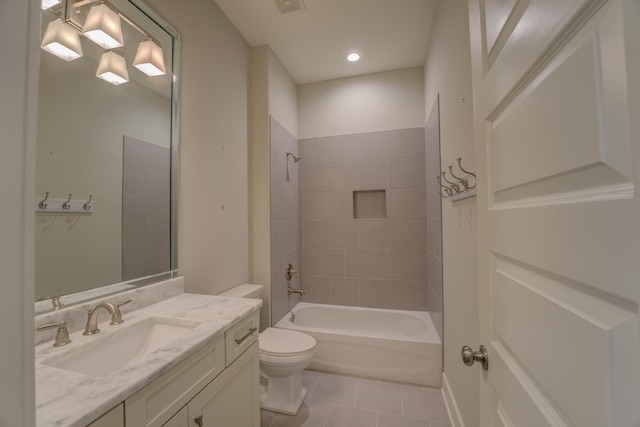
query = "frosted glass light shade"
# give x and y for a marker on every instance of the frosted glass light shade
(46, 4)
(62, 40)
(113, 68)
(150, 59)
(102, 26)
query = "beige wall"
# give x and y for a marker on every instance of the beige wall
(213, 227)
(448, 72)
(18, 87)
(367, 103)
(283, 95)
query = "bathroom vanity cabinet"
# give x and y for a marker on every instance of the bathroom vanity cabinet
(218, 385)
(210, 370)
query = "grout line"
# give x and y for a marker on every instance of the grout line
(355, 398)
(326, 417)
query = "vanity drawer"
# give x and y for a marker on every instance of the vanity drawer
(156, 403)
(241, 336)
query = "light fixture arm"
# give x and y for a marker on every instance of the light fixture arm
(65, 14)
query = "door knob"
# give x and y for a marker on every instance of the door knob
(199, 420)
(469, 356)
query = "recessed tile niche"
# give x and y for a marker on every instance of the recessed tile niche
(370, 204)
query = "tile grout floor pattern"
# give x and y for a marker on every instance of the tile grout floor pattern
(342, 401)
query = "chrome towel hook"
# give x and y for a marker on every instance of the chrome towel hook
(454, 186)
(87, 205)
(463, 169)
(42, 204)
(460, 188)
(66, 204)
(447, 190)
(468, 173)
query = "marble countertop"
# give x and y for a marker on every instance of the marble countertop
(65, 398)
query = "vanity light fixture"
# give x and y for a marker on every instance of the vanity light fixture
(102, 26)
(353, 57)
(113, 68)
(150, 59)
(46, 4)
(62, 40)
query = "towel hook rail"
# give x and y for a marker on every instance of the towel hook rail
(458, 189)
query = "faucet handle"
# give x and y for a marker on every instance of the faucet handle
(62, 336)
(122, 303)
(116, 317)
(289, 272)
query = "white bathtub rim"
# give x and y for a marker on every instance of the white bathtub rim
(430, 336)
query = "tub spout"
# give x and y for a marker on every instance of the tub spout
(290, 291)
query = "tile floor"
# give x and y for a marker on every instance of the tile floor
(342, 401)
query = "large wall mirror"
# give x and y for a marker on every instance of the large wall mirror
(106, 149)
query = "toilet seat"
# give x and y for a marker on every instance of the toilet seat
(280, 342)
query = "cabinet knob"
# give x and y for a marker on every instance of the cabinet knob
(199, 421)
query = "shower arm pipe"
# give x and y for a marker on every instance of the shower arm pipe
(295, 157)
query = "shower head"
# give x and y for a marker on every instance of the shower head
(295, 158)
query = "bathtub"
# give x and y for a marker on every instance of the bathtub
(393, 345)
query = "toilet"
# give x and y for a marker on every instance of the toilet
(283, 355)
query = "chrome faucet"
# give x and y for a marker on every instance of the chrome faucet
(92, 320)
(289, 272)
(290, 291)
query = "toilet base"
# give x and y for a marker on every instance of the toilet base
(282, 395)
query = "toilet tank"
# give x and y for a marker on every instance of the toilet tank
(246, 290)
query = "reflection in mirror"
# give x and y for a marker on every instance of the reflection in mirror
(106, 142)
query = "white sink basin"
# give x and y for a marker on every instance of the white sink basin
(107, 353)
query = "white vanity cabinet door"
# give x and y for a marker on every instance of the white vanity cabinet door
(113, 418)
(156, 403)
(233, 398)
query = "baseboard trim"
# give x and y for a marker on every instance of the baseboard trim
(450, 403)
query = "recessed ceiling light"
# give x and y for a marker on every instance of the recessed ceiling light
(353, 57)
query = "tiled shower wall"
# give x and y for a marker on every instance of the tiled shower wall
(434, 220)
(369, 262)
(285, 234)
(145, 209)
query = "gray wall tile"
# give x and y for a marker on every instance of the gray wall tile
(340, 249)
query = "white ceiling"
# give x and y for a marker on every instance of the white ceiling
(313, 43)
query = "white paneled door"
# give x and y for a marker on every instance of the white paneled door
(557, 126)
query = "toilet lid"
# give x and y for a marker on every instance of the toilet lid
(283, 342)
